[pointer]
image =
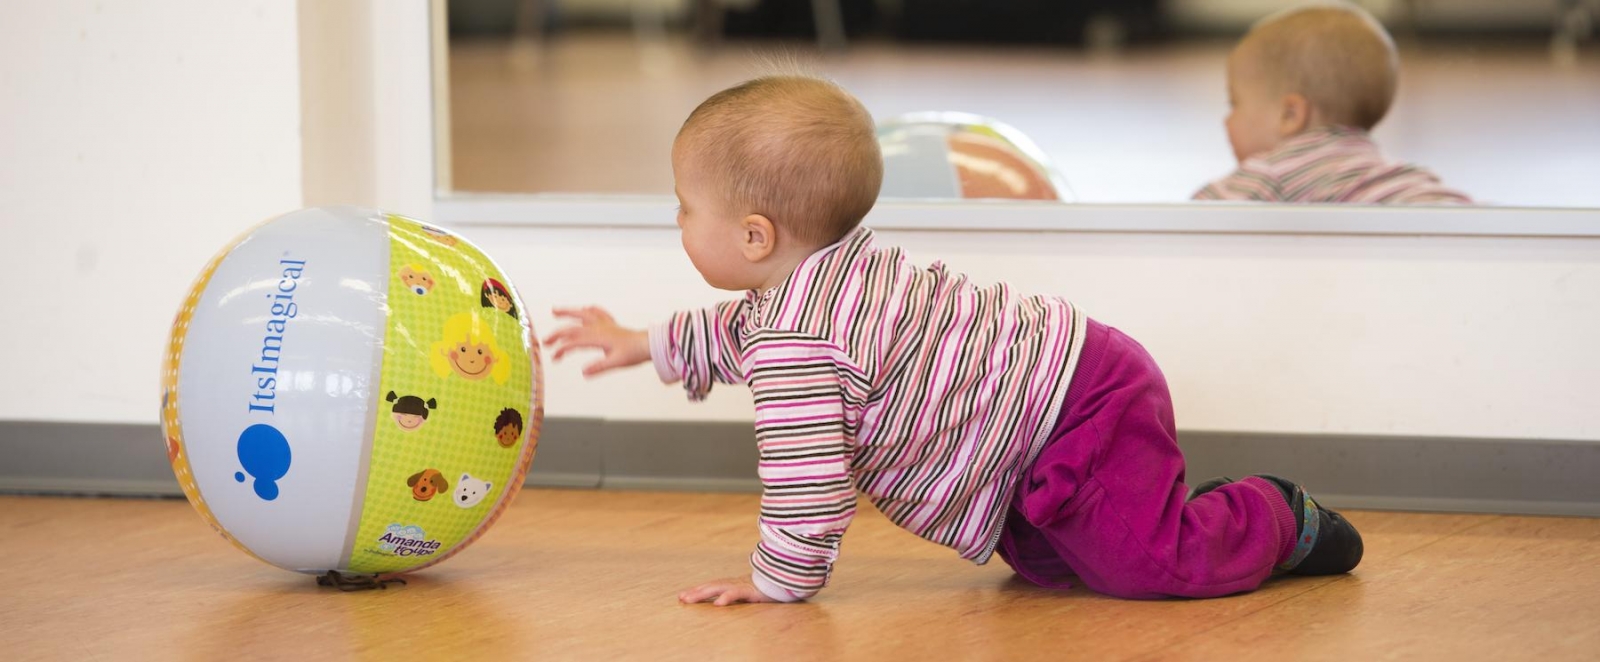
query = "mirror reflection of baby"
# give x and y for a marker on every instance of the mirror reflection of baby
(1305, 86)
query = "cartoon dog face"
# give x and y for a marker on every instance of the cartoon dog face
(416, 279)
(470, 491)
(410, 411)
(426, 483)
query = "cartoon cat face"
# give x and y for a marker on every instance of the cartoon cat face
(470, 491)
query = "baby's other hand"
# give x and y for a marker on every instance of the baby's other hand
(724, 592)
(595, 329)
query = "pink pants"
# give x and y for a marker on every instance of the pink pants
(1105, 498)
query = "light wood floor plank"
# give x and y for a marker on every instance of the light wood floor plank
(592, 575)
(1510, 588)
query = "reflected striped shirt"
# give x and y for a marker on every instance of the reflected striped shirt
(921, 390)
(1331, 165)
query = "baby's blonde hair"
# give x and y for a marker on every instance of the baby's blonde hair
(1336, 55)
(793, 147)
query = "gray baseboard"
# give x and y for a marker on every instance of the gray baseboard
(1520, 476)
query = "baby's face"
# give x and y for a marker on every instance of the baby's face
(710, 228)
(1254, 118)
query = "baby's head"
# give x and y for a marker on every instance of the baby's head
(1301, 69)
(769, 171)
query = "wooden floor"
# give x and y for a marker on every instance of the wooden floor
(596, 112)
(593, 575)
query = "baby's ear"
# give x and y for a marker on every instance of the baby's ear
(760, 237)
(1297, 115)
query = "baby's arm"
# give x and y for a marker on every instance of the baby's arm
(701, 347)
(696, 346)
(808, 496)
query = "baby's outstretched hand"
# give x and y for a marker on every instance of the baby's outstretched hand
(724, 592)
(595, 329)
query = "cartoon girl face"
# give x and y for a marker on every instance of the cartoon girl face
(472, 361)
(410, 411)
(468, 349)
(493, 294)
(416, 280)
(500, 301)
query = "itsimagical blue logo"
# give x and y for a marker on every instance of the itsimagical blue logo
(264, 454)
(263, 450)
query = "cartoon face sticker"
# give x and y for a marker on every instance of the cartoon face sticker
(470, 491)
(410, 411)
(508, 427)
(416, 279)
(468, 349)
(439, 235)
(494, 295)
(426, 483)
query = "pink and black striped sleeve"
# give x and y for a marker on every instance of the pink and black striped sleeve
(701, 347)
(808, 497)
(1245, 183)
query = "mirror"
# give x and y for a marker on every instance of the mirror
(1097, 102)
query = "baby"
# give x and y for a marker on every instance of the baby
(1305, 86)
(975, 417)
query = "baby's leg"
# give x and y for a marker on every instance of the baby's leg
(1108, 494)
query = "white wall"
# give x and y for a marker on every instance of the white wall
(138, 138)
(142, 136)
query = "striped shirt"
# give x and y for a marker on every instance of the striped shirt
(923, 391)
(1331, 164)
